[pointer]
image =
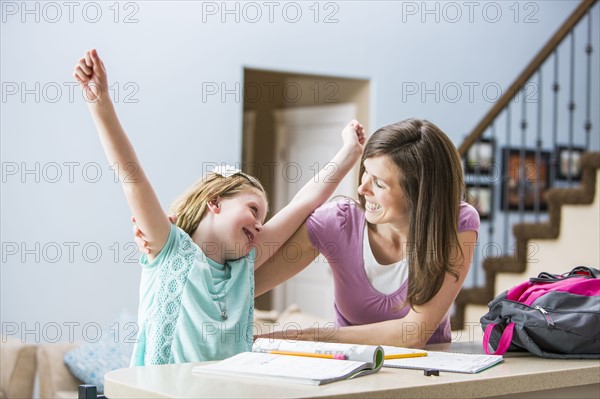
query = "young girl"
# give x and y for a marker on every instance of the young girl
(197, 285)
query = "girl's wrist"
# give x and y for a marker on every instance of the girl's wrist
(102, 101)
(352, 151)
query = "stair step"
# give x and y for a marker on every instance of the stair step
(541, 246)
(574, 237)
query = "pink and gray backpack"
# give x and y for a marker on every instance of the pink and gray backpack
(553, 316)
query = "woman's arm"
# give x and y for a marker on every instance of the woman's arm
(414, 330)
(281, 266)
(314, 193)
(140, 195)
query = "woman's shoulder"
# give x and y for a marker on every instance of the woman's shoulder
(338, 208)
(333, 218)
(468, 218)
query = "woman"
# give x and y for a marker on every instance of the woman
(400, 257)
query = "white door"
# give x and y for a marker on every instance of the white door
(307, 138)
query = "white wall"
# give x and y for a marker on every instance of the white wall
(169, 54)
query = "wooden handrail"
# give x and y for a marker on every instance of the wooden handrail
(527, 73)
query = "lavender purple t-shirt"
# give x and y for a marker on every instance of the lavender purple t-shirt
(337, 230)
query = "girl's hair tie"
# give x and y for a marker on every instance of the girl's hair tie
(226, 170)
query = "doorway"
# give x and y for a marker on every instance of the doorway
(278, 108)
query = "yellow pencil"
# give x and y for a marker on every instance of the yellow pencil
(337, 356)
(404, 355)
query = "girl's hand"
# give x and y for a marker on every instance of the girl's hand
(91, 75)
(353, 135)
(138, 235)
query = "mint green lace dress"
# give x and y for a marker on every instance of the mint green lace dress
(183, 294)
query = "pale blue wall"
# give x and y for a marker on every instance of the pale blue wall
(168, 54)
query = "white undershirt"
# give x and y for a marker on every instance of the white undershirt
(384, 278)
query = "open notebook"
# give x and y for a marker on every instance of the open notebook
(293, 361)
(443, 361)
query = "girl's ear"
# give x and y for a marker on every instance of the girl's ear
(214, 206)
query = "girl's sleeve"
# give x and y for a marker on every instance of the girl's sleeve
(468, 218)
(175, 236)
(326, 224)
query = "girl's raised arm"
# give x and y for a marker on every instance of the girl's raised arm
(140, 195)
(314, 193)
(280, 267)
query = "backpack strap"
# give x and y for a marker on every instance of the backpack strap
(585, 271)
(504, 342)
(578, 272)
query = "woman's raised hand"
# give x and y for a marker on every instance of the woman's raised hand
(91, 75)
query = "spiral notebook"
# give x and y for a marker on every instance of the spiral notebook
(443, 361)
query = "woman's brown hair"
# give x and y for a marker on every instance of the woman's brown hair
(431, 177)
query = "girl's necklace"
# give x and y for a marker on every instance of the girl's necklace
(223, 307)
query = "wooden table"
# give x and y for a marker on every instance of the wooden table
(519, 376)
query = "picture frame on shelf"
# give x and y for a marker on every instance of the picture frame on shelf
(568, 162)
(480, 157)
(482, 196)
(524, 183)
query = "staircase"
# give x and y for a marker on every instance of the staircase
(560, 227)
(570, 238)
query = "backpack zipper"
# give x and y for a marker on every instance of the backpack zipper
(547, 317)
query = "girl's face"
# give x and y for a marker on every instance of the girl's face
(384, 198)
(241, 219)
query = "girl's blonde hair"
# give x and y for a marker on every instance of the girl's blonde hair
(190, 207)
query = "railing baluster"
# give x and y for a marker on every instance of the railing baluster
(555, 90)
(492, 188)
(588, 94)
(538, 149)
(571, 108)
(506, 177)
(476, 263)
(523, 172)
(476, 187)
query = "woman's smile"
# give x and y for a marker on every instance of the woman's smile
(372, 207)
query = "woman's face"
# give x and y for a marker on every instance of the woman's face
(384, 198)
